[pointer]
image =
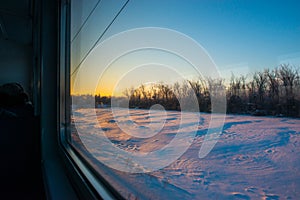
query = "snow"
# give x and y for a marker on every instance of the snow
(254, 158)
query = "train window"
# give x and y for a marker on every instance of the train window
(186, 100)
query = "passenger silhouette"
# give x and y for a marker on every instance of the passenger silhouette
(14, 102)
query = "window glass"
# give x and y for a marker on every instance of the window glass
(188, 100)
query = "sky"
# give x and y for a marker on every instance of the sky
(239, 36)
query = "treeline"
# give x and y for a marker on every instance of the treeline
(268, 92)
(173, 97)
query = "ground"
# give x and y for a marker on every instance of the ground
(254, 158)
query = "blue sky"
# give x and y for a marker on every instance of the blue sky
(253, 32)
(240, 36)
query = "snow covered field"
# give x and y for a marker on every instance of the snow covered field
(255, 157)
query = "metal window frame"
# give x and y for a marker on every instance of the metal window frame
(87, 183)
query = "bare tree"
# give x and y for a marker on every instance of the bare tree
(273, 85)
(288, 75)
(260, 80)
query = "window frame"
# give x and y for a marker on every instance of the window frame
(88, 183)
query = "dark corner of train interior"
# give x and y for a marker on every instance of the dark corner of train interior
(33, 37)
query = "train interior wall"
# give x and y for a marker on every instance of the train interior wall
(20, 169)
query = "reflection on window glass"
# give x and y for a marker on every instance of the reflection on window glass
(188, 100)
